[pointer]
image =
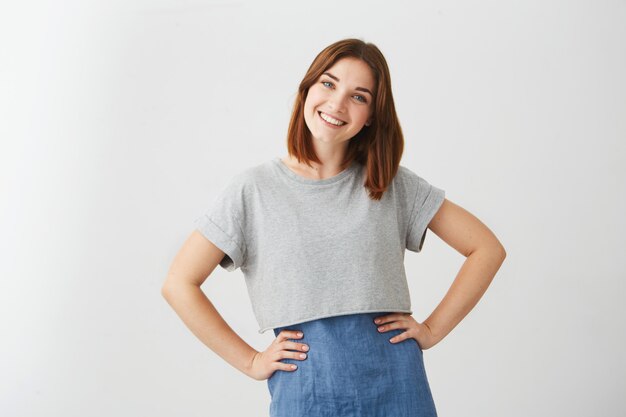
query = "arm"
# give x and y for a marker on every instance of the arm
(485, 254)
(195, 261)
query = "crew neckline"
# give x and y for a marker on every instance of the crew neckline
(310, 181)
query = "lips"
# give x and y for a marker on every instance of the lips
(329, 115)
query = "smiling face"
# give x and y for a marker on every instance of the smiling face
(339, 104)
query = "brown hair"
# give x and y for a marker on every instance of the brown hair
(378, 146)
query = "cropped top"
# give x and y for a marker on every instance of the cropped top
(311, 249)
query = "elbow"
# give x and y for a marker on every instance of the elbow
(173, 288)
(166, 290)
(501, 251)
(493, 250)
(499, 254)
(498, 251)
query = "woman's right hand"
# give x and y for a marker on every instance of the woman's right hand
(265, 363)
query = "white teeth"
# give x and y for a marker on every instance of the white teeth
(331, 120)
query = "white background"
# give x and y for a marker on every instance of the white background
(120, 120)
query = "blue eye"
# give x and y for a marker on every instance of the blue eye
(360, 98)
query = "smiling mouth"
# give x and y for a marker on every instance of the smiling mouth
(331, 121)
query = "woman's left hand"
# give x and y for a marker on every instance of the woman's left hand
(418, 331)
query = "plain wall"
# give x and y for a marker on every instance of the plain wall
(121, 120)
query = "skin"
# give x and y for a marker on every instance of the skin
(484, 255)
(344, 101)
(461, 230)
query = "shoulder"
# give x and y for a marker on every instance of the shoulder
(413, 185)
(410, 177)
(248, 179)
(407, 178)
(254, 175)
(405, 174)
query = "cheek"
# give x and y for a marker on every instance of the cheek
(309, 106)
(309, 109)
(313, 98)
(361, 115)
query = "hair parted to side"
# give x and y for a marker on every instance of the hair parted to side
(378, 146)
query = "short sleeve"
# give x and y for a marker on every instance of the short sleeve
(428, 199)
(221, 224)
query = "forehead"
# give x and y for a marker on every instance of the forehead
(354, 71)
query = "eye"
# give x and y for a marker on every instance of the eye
(329, 84)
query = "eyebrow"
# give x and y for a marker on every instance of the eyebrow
(358, 88)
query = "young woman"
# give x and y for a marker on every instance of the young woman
(320, 236)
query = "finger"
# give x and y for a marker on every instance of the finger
(298, 355)
(399, 337)
(289, 334)
(386, 318)
(289, 354)
(389, 326)
(285, 366)
(289, 367)
(381, 319)
(287, 344)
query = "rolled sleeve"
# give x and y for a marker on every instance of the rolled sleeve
(428, 200)
(227, 242)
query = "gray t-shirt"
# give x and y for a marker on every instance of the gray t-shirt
(311, 249)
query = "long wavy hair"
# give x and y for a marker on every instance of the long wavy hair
(378, 146)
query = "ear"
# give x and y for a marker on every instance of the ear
(369, 122)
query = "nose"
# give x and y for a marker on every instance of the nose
(337, 103)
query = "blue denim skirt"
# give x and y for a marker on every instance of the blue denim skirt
(352, 370)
